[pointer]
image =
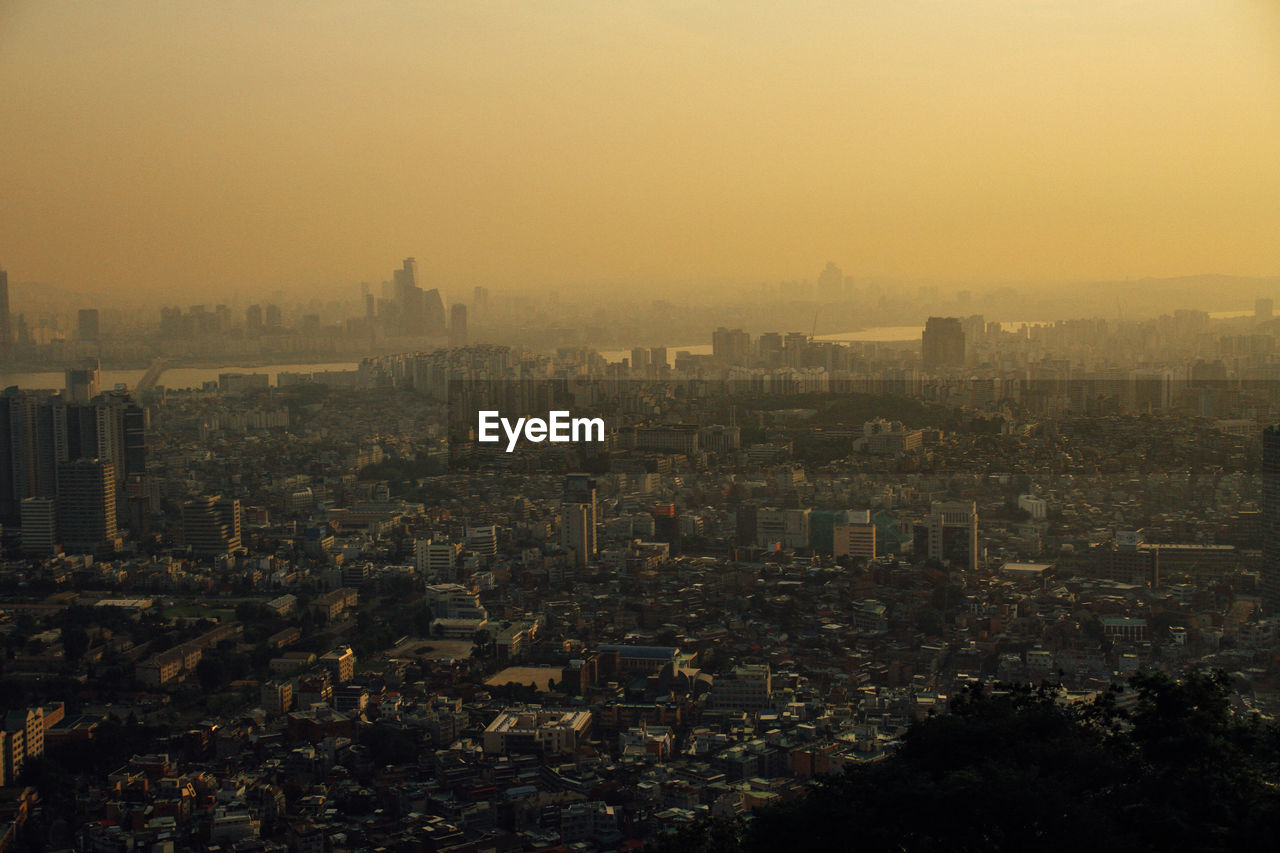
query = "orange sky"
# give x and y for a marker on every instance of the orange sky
(199, 148)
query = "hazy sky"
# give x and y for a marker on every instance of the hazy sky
(206, 147)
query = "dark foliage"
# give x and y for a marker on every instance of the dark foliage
(1025, 769)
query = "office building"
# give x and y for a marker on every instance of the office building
(730, 346)
(748, 687)
(578, 507)
(341, 664)
(856, 539)
(6, 330)
(39, 525)
(82, 383)
(537, 731)
(666, 527)
(436, 559)
(949, 534)
(942, 343)
(785, 528)
(458, 325)
(86, 505)
(211, 525)
(87, 325)
(1270, 577)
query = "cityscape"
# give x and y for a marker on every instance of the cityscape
(336, 620)
(639, 428)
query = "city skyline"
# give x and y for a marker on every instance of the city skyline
(189, 151)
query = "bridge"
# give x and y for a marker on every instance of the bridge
(148, 380)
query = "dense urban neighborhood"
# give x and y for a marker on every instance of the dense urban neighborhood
(318, 614)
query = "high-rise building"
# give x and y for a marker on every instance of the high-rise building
(483, 541)
(82, 382)
(831, 282)
(27, 451)
(949, 534)
(87, 328)
(1263, 310)
(38, 432)
(769, 349)
(39, 525)
(86, 504)
(211, 525)
(436, 559)
(1270, 578)
(942, 343)
(854, 539)
(253, 321)
(6, 332)
(578, 507)
(433, 312)
(730, 346)
(458, 325)
(666, 527)
(272, 317)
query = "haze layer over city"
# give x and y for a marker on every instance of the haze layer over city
(603, 427)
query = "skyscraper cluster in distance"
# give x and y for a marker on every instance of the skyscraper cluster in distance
(72, 465)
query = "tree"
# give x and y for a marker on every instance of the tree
(75, 642)
(1023, 769)
(211, 673)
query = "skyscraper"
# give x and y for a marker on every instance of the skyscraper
(39, 525)
(39, 432)
(942, 343)
(83, 382)
(86, 504)
(87, 325)
(1270, 578)
(666, 527)
(1263, 310)
(730, 346)
(578, 506)
(831, 282)
(458, 325)
(6, 338)
(433, 312)
(253, 321)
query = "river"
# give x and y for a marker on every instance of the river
(175, 377)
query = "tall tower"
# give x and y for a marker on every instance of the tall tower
(942, 343)
(86, 504)
(83, 382)
(578, 506)
(6, 337)
(88, 325)
(458, 324)
(1271, 519)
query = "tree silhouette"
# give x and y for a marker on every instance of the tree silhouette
(1027, 769)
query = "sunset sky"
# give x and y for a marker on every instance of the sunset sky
(197, 148)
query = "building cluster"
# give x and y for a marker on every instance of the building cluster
(325, 618)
